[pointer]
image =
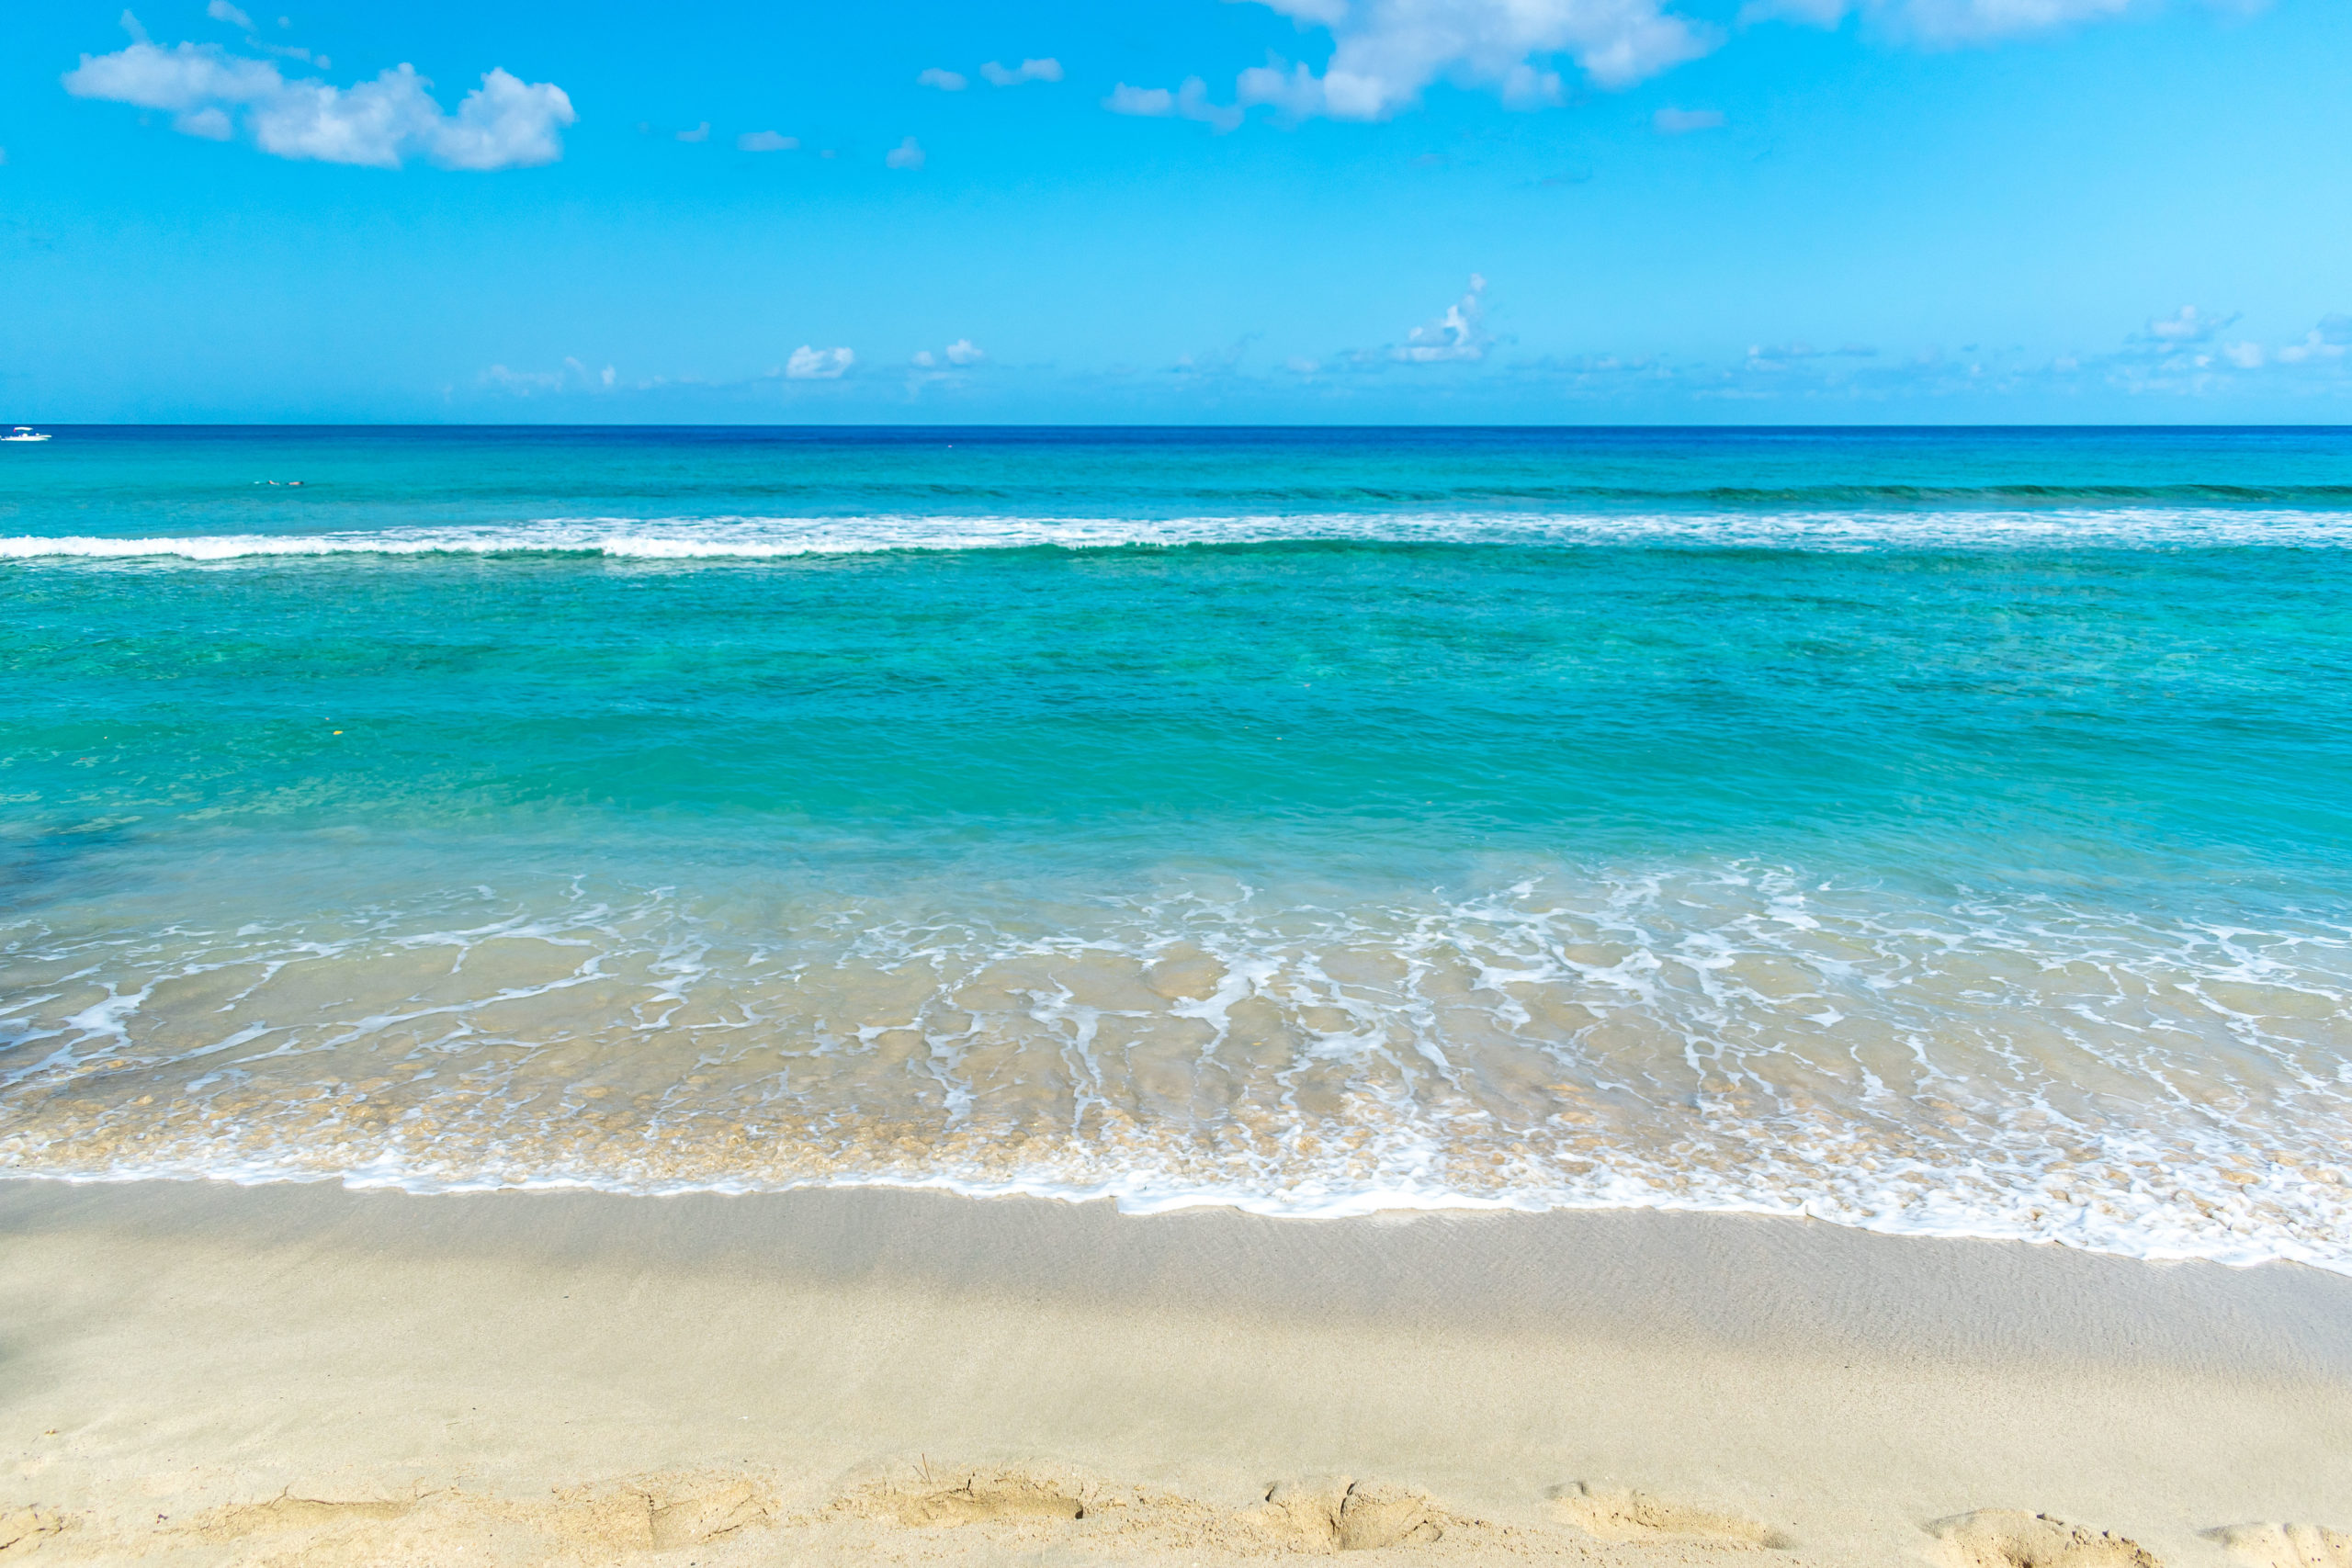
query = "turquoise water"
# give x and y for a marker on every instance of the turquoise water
(1933, 831)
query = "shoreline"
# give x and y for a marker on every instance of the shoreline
(1152, 1202)
(506, 1369)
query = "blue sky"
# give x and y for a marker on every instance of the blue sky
(1278, 210)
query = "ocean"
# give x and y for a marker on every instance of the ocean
(1943, 831)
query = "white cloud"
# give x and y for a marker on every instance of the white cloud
(1682, 122)
(699, 133)
(523, 383)
(1949, 21)
(1147, 101)
(2185, 353)
(222, 11)
(1387, 52)
(1190, 101)
(180, 79)
(808, 363)
(1322, 13)
(504, 123)
(1457, 334)
(945, 81)
(924, 368)
(1046, 70)
(767, 142)
(2329, 340)
(574, 376)
(907, 154)
(291, 51)
(2187, 325)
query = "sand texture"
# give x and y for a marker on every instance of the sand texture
(204, 1374)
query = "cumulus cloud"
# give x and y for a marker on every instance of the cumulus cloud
(907, 154)
(2187, 325)
(2185, 353)
(945, 81)
(1190, 101)
(1949, 21)
(1682, 122)
(1322, 13)
(1046, 70)
(924, 368)
(177, 79)
(699, 133)
(1385, 52)
(2329, 340)
(808, 363)
(504, 123)
(1456, 336)
(222, 11)
(765, 141)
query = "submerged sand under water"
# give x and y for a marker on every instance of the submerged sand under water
(1722, 1037)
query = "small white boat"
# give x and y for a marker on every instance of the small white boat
(24, 432)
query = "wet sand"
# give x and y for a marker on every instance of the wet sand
(200, 1373)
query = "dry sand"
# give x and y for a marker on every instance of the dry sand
(200, 1374)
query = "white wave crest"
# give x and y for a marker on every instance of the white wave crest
(757, 538)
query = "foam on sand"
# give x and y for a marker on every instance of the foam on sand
(1729, 1037)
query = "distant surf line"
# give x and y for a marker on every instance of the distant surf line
(737, 537)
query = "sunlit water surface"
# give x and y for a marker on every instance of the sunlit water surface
(1938, 831)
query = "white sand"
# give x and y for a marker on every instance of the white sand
(207, 1374)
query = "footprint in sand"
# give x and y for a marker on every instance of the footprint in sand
(26, 1526)
(692, 1518)
(1337, 1514)
(1618, 1515)
(288, 1512)
(2008, 1538)
(2285, 1546)
(981, 1500)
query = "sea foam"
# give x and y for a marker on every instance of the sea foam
(1736, 1037)
(757, 538)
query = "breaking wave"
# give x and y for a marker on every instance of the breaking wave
(757, 538)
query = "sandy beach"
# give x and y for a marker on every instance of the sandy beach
(203, 1374)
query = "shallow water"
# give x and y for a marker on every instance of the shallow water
(1941, 832)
